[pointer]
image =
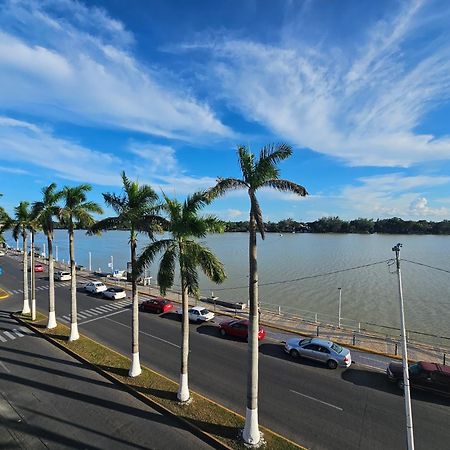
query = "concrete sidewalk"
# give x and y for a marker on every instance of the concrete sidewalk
(49, 400)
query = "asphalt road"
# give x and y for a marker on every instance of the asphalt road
(355, 408)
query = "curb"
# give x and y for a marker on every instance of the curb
(203, 435)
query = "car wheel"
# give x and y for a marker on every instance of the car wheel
(294, 353)
(223, 332)
(400, 384)
(331, 364)
(158, 311)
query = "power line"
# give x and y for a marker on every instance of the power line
(308, 277)
(426, 265)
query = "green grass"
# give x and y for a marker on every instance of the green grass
(212, 418)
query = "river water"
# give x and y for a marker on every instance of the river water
(369, 294)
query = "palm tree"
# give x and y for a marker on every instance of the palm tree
(5, 222)
(185, 226)
(45, 211)
(34, 226)
(76, 211)
(21, 224)
(136, 211)
(256, 174)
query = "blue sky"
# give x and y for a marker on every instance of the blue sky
(166, 90)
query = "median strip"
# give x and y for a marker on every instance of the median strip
(214, 423)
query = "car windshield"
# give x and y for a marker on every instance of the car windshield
(203, 312)
(414, 369)
(336, 348)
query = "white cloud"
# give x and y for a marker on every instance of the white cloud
(157, 156)
(361, 106)
(14, 170)
(65, 61)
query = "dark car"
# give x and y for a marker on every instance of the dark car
(157, 305)
(239, 328)
(422, 375)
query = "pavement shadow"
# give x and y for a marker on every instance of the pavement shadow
(170, 316)
(214, 330)
(380, 382)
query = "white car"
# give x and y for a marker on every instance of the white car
(62, 276)
(2, 253)
(96, 287)
(115, 293)
(198, 314)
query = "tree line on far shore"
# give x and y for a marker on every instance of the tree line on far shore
(394, 225)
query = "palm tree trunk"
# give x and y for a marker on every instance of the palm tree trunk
(73, 289)
(51, 290)
(33, 280)
(183, 388)
(251, 434)
(26, 301)
(135, 368)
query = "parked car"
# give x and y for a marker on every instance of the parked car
(38, 268)
(327, 352)
(115, 293)
(62, 276)
(96, 287)
(422, 375)
(158, 305)
(239, 328)
(2, 253)
(198, 314)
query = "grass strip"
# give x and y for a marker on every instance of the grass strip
(202, 415)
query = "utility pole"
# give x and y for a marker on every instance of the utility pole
(56, 253)
(90, 262)
(339, 309)
(408, 411)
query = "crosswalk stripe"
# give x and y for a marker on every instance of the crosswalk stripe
(17, 332)
(82, 315)
(86, 313)
(26, 330)
(102, 308)
(10, 335)
(93, 312)
(2, 338)
(67, 318)
(63, 320)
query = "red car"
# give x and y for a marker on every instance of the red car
(158, 305)
(38, 268)
(239, 328)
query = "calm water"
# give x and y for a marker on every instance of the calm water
(368, 295)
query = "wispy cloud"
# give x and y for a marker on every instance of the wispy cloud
(362, 106)
(66, 61)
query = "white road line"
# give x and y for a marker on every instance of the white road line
(147, 334)
(378, 369)
(3, 365)
(79, 314)
(87, 313)
(10, 335)
(102, 308)
(63, 320)
(17, 332)
(2, 338)
(317, 400)
(103, 317)
(93, 312)
(67, 318)
(26, 330)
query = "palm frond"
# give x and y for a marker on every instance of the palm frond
(286, 186)
(109, 223)
(224, 185)
(150, 251)
(211, 266)
(247, 163)
(166, 270)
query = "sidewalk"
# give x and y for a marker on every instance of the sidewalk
(49, 400)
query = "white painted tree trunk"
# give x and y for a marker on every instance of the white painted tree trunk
(33, 280)
(135, 369)
(183, 388)
(73, 291)
(251, 434)
(26, 301)
(51, 290)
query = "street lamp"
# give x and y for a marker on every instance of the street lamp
(408, 411)
(339, 308)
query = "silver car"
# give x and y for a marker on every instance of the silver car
(327, 352)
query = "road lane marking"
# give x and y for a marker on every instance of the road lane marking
(102, 317)
(317, 400)
(26, 330)
(82, 315)
(3, 365)
(10, 335)
(147, 334)
(66, 318)
(18, 333)
(2, 338)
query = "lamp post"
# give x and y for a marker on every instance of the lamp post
(56, 253)
(90, 262)
(408, 411)
(339, 308)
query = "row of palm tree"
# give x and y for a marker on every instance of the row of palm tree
(138, 210)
